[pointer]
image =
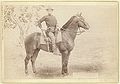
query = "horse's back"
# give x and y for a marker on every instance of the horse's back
(32, 37)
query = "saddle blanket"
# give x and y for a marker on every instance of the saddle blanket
(58, 38)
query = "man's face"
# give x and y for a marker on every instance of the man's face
(50, 11)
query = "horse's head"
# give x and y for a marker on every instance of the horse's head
(81, 22)
(78, 20)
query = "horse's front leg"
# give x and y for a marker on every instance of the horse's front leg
(65, 57)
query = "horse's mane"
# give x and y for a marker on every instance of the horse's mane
(68, 22)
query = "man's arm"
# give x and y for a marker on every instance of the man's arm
(41, 20)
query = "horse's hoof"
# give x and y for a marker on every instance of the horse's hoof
(34, 71)
(26, 72)
(65, 74)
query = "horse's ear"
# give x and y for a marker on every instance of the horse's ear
(80, 13)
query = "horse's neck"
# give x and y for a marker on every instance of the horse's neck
(71, 28)
(72, 32)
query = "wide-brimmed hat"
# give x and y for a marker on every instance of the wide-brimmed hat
(49, 8)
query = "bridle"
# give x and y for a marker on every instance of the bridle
(78, 33)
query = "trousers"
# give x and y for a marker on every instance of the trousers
(52, 37)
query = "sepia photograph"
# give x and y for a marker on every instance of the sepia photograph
(63, 41)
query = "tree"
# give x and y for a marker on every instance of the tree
(21, 17)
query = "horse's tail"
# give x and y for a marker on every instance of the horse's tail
(32, 41)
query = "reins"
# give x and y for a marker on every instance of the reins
(78, 33)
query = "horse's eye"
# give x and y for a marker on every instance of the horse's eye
(77, 21)
(82, 19)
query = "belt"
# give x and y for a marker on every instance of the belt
(50, 27)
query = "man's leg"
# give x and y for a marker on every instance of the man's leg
(52, 37)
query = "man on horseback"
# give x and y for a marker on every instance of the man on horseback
(52, 27)
(33, 46)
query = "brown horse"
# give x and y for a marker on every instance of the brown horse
(68, 31)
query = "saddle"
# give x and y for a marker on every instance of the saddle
(44, 39)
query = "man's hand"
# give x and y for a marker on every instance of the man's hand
(57, 28)
(38, 24)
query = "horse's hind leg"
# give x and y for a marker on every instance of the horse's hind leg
(33, 58)
(27, 58)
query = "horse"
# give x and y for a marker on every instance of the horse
(68, 32)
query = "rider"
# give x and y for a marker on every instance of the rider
(51, 24)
